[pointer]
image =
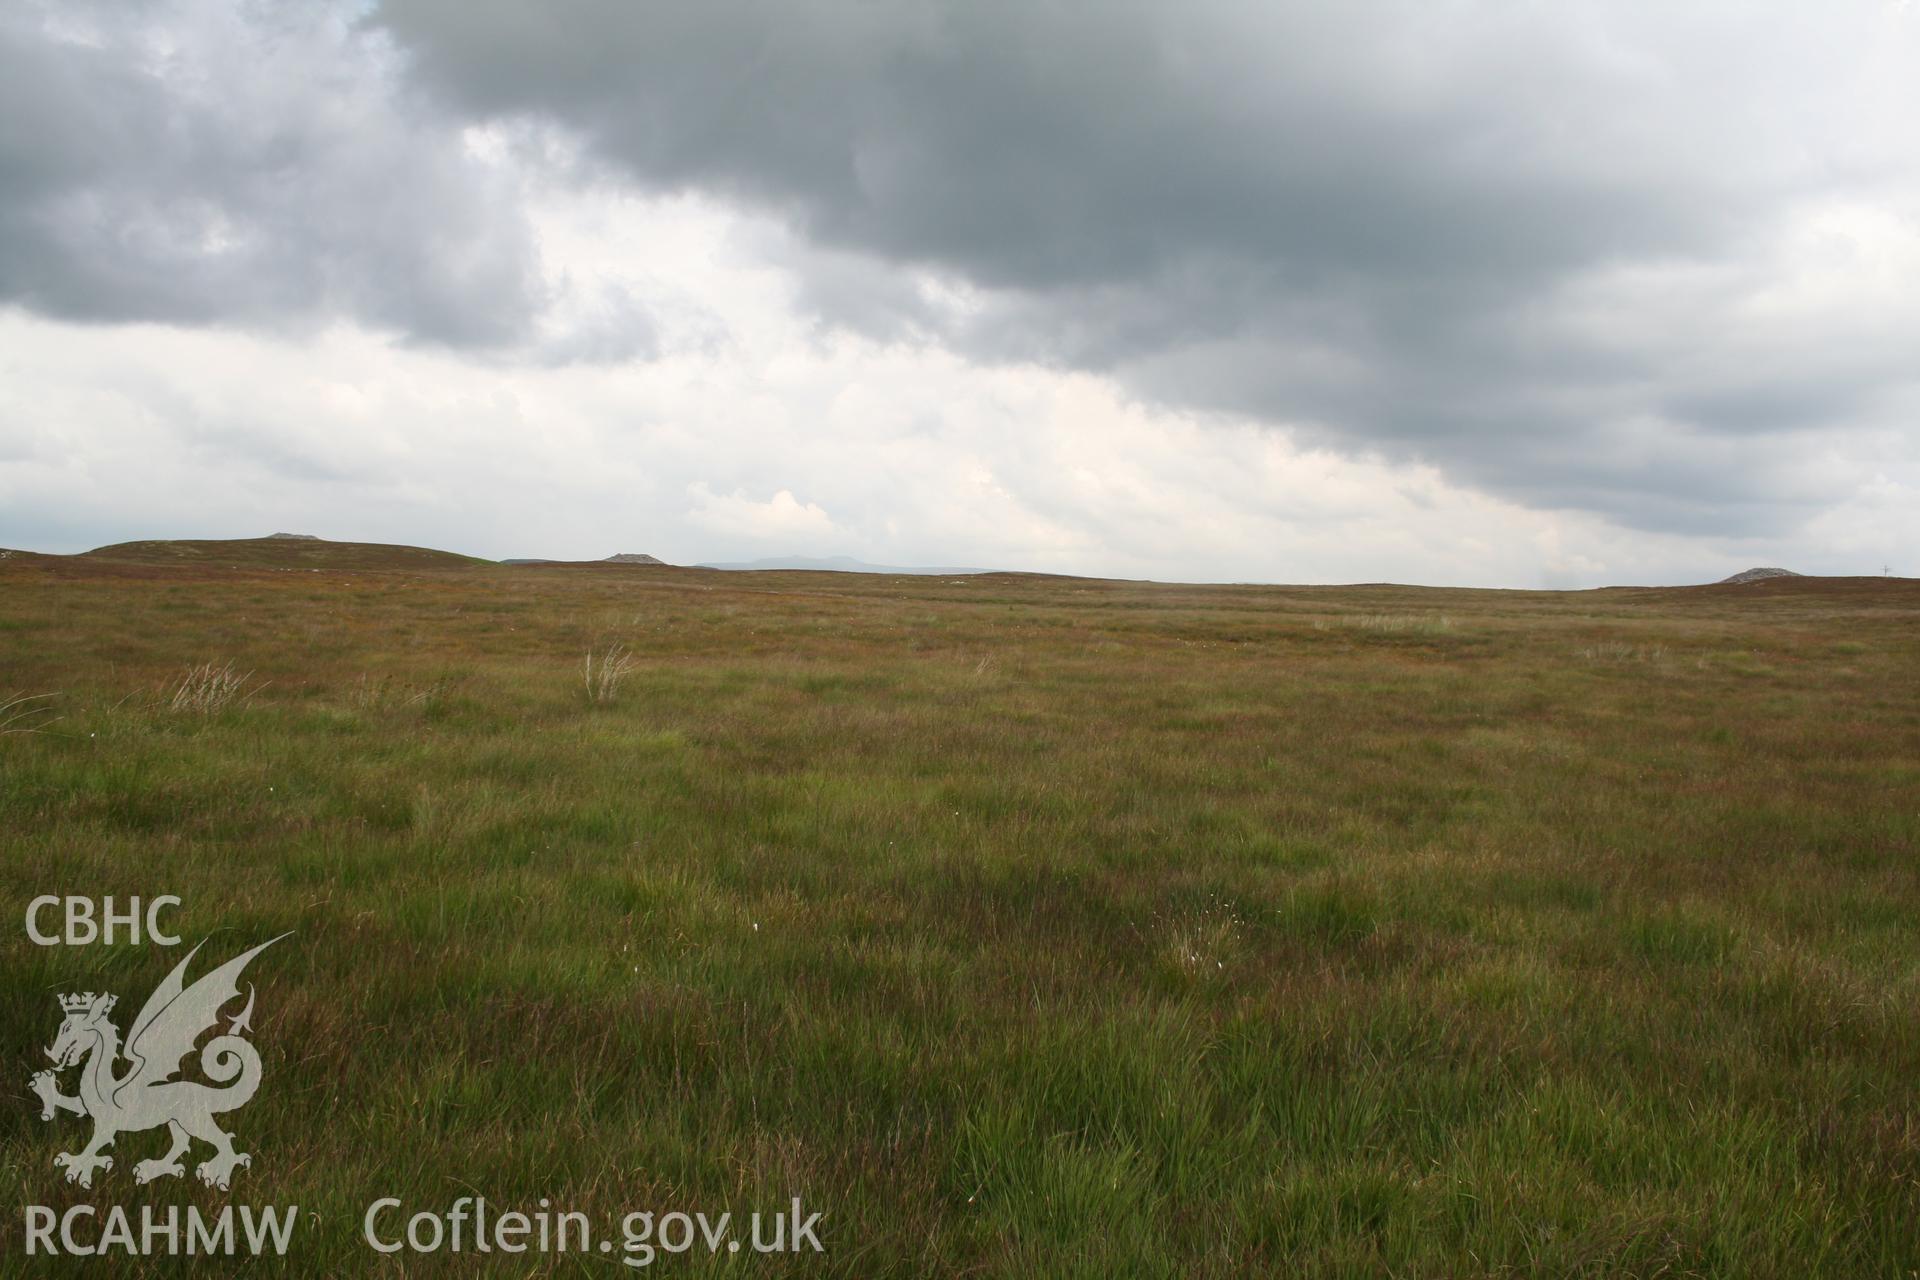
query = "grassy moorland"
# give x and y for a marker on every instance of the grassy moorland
(1023, 925)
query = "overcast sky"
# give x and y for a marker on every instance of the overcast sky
(1499, 293)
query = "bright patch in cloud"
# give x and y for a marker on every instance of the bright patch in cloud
(781, 521)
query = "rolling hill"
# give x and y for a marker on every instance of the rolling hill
(280, 552)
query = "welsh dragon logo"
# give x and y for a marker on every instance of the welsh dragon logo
(145, 1096)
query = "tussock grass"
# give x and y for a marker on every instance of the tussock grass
(207, 689)
(1026, 927)
(1391, 623)
(604, 675)
(27, 712)
(1620, 651)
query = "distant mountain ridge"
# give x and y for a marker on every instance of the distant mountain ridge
(620, 557)
(830, 564)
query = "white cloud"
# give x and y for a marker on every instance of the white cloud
(782, 521)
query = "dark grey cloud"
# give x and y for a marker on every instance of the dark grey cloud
(1381, 224)
(251, 164)
(1039, 146)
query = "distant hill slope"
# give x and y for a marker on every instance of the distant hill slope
(281, 551)
(831, 564)
(1795, 590)
(622, 557)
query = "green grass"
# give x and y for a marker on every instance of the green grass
(1024, 926)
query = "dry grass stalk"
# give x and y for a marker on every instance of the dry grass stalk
(603, 676)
